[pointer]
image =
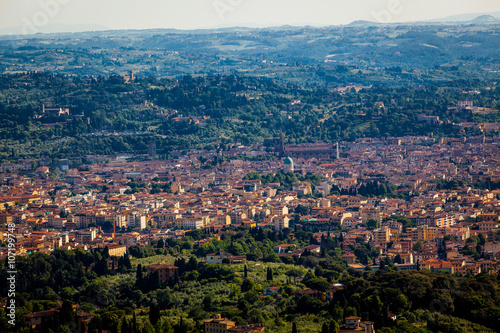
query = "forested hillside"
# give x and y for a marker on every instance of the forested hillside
(210, 111)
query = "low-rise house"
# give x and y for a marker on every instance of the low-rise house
(224, 325)
(218, 324)
(270, 291)
(253, 328)
(223, 257)
(354, 324)
(165, 272)
(312, 248)
(349, 258)
(442, 266)
(34, 319)
(282, 248)
(130, 239)
(116, 250)
(492, 248)
(319, 295)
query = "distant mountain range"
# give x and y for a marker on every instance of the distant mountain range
(52, 28)
(478, 18)
(465, 19)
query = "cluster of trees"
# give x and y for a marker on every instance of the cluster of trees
(375, 188)
(474, 246)
(443, 184)
(368, 189)
(194, 270)
(284, 179)
(487, 184)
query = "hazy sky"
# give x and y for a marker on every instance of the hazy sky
(188, 14)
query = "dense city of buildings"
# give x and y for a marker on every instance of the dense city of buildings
(97, 207)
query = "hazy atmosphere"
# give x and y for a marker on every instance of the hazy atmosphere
(249, 166)
(31, 16)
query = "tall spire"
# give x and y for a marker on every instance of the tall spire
(282, 144)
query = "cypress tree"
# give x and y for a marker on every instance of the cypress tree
(105, 253)
(155, 281)
(269, 274)
(160, 244)
(334, 327)
(176, 276)
(124, 326)
(154, 313)
(66, 313)
(138, 275)
(126, 261)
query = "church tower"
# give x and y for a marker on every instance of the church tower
(282, 144)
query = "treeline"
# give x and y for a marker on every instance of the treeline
(43, 275)
(416, 295)
(367, 189)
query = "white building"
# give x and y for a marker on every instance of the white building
(281, 222)
(192, 224)
(135, 219)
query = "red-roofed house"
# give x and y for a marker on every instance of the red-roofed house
(165, 272)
